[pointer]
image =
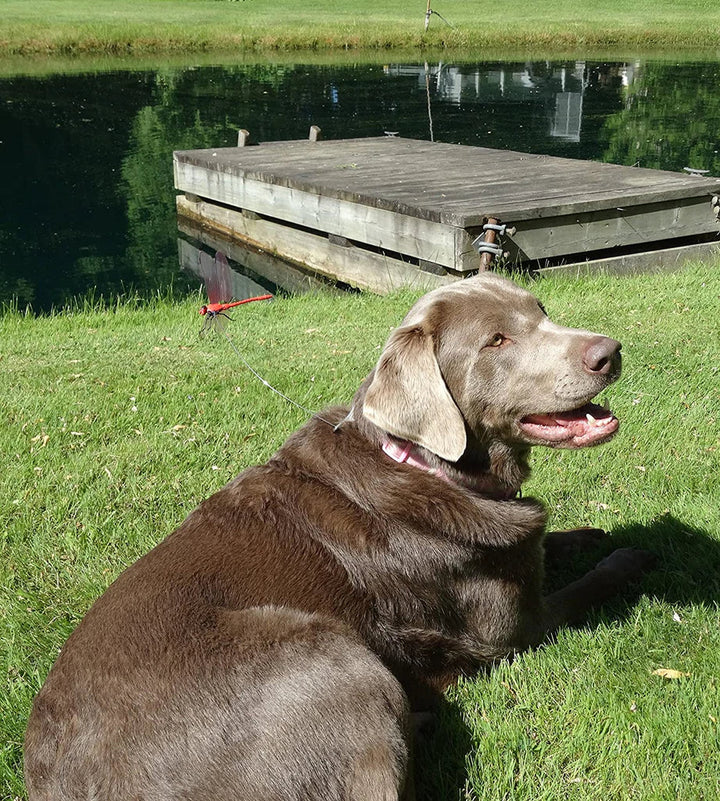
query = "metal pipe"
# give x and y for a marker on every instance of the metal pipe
(489, 238)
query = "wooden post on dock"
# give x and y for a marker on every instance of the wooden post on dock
(315, 133)
(243, 137)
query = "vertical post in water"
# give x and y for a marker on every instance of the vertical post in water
(428, 14)
(427, 96)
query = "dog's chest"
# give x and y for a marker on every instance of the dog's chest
(422, 581)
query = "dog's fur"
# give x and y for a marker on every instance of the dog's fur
(272, 647)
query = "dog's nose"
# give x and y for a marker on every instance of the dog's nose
(601, 355)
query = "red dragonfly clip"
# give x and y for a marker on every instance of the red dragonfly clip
(217, 277)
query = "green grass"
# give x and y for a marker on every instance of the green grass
(166, 26)
(116, 421)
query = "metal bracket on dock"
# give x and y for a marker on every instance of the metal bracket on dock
(486, 244)
(487, 247)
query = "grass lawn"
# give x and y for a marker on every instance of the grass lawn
(131, 27)
(117, 421)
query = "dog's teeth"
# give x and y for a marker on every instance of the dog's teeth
(591, 420)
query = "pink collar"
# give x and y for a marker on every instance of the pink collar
(405, 452)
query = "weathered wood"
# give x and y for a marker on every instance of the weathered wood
(315, 133)
(390, 231)
(243, 137)
(605, 229)
(426, 202)
(342, 241)
(354, 266)
(432, 267)
(648, 262)
(454, 184)
(269, 268)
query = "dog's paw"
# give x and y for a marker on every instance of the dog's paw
(628, 564)
(566, 544)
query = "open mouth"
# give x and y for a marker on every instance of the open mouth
(578, 428)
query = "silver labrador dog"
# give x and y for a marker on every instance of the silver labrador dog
(273, 646)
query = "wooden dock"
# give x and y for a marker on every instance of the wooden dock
(382, 212)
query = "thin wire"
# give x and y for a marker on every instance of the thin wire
(269, 385)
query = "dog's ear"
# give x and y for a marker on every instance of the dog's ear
(408, 396)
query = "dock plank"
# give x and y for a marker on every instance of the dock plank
(363, 269)
(452, 184)
(427, 201)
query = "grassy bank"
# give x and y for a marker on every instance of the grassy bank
(168, 26)
(39, 65)
(116, 422)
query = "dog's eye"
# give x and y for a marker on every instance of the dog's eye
(496, 341)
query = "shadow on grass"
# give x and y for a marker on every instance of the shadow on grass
(688, 569)
(439, 756)
(686, 573)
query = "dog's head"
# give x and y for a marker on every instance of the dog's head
(481, 355)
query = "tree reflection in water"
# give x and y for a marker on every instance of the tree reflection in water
(88, 198)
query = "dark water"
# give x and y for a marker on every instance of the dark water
(87, 199)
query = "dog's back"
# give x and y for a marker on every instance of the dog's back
(199, 675)
(219, 734)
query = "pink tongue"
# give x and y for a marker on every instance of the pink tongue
(574, 420)
(574, 428)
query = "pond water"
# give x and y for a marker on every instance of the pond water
(86, 159)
